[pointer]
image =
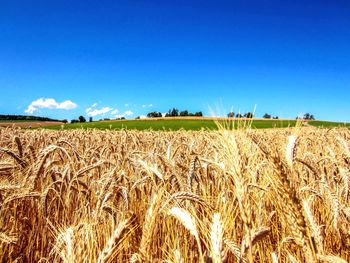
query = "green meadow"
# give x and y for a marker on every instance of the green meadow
(198, 124)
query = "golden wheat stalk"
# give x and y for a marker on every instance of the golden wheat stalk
(187, 220)
(114, 239)
(216, 238)
(8, 238)
(291, 149)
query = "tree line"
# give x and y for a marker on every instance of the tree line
(25, 118)
(249, 115)
(174, 112)
(307, 116)
(80, 119)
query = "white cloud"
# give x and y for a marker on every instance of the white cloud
(143, 117)
(67, 105)
(50, 104)
(125, 114)
(94, 112)
(130, 104)
(163, 114)
(30, 109)
(147, 105)
(115, 111)
(87, 110)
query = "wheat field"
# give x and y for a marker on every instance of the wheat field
(277, 195)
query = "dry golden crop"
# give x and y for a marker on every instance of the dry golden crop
(279, 195)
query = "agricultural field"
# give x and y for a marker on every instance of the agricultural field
(173, 124)
(277, 195)
(29, 124)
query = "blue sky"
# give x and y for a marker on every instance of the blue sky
(60, 58)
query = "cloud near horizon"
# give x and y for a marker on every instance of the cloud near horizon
(147, 105)
(125, 114)
(115, 111)
(50, 103)
(94, 112)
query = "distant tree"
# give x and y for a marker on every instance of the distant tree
(267, 116)
(238, 115)
(172, 113)
(154, 114)
(137, 118)
(184, 113)
(74, 121)
(82, 119)
(231, 114)
(308, 116)
(275, 118)
(248, 115)
(90, 119)
(65, 121)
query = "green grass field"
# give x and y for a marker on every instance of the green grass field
(176, 124)
(187, 124)
(328, 124)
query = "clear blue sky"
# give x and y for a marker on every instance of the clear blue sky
(287, 57)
